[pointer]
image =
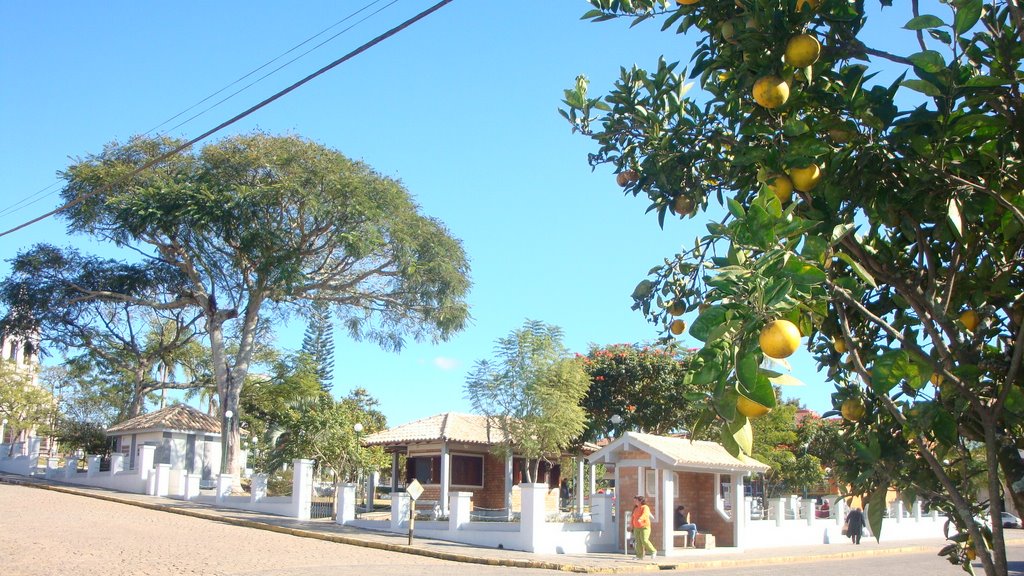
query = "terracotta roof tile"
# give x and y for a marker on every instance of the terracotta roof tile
(179, 417)
(681, 452)
(452, 426)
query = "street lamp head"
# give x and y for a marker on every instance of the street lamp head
(358, 427)
(616, 419)
(4, 421)
(228, 414)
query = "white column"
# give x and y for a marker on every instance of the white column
(258, 488)
(224, 483)
(592, 489)
(916, 510)
(394, 474)
(347, 503)
(302, 488)
(116, 463)
(531, 520)
(192, 486)
(808, 511)
(667, 512)
(508, 485)
(92, 466)
(580, 478)
(897, 510)
(839, 511)
(461, 504)
(52, 464)
(740, 510)
(163, 479)
(70, 468)
(144, 460)
(400, 503)
(446, 478)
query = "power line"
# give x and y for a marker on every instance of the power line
(275, 70)
(41, 194)
(239, 116)
(268, 63)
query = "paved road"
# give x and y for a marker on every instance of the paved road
(49, 533)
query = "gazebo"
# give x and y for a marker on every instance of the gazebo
(670, 471)
(454, 451)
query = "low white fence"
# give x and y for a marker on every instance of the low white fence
(532, 533)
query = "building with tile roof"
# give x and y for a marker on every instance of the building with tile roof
(454, 452)
(671, 471)
(185, 438)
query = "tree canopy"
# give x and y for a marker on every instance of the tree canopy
(254, 224)
(884, 221)
(531, 393)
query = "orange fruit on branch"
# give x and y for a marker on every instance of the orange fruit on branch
(770, 91)
(779, 339)
(750, 408)
(802, 50)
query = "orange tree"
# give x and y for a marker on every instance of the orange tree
(884, 221)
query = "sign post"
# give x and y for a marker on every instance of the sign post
(414, 490)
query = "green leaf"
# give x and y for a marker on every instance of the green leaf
(859, 270)
(928, 60)
(706, 322)
(736, 209)
(953, 213)
(804, 274)
(924, 21)
(986, 82)
(742, 434)
(967, 15)
(777, 291)
(926, 88)
(887, 371)
(875, 511)
(944, 427)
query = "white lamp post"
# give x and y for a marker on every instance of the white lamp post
(3, 425)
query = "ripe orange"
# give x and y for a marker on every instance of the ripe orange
(970, 319)
(781, 186)
(682, 206)
(802, 50)
(805, 178)
(813, 4)
(853, 409)
(751, 409)
(686, 2)
(677, 327)
(770, 91)
(839, 345)
(779, 339)
(626, 177)
(676, 308)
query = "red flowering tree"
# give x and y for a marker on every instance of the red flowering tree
(648, 387)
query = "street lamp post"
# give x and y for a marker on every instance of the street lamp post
(3, 426)
(358, 428)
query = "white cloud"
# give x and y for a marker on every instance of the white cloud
(446, 363)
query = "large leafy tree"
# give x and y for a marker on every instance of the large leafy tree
(123, 340)
(783, 442)
(254, 223)
(898, 254)
(531, 393)
(643, 385)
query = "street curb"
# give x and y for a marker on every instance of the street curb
(466, 558)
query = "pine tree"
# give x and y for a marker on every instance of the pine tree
(319, 343)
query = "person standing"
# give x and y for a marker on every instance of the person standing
(855, 525)
(641, 524)
(682, 523)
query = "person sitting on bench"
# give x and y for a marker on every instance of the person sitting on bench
(682, 523)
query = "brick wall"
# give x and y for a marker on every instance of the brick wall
(696, 492)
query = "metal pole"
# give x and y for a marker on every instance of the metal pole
(412, 518)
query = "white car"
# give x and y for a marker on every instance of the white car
(1011, 521)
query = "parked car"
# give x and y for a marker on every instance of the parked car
(1011, 521)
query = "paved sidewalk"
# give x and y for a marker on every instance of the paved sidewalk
(580, 563)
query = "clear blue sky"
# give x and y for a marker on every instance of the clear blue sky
(462, 108)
